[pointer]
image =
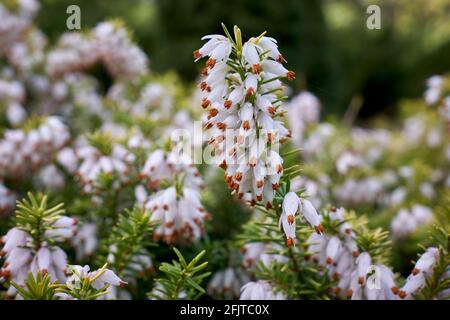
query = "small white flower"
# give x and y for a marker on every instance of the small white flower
(260, 290)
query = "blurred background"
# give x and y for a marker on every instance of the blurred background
(325, 42)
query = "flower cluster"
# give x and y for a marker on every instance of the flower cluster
(303, 111)
(259, 251)
(109, 43)
(30, 249)
(344, 262)
(241, 89)
(175, 203)
(406, 222)
(226, 284)
(111, 160)
(24, 151)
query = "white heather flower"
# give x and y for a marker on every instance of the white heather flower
(260, 290)
(348, 160)
(226, 284)
(52, 178)
(403, 224)
(423, 269)
(434, 88)
(85, 241)
(7, 200)
(406, 222)
(303, 110)
(68, 159)
(16, 114)
(217, 47)
(292, 204)
(362, 191)
(310, 214)
(264, 252)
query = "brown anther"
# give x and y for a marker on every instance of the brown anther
(252, 162)
(333, 209)
(355, 254)
(394, 290)
(223, 165)
(196, 54)
(252, 203)
(348, 231)
(268, 205)
(2, 253)
(402, 294)
(290, 75)
(246, 125)
(169, 224)
(259, 197)
(203, 85)
(336, 276)
(289, 242)
(165, 207)
(222, 126)
(259, 184)
(329, 260)
(319, 229)
(279, 168)
(238, 176)
(205, 103)
(271, 110)
(6, 273)
(211, 62)
(256, 68)
(275, 186)
(337, 290)
(281, 59)
(204, 72)
(227, 104)
(361, 280)
(270, 137)
(349, 293)
(291, 218)
(415, 271)
(213, 112)
(250, 92)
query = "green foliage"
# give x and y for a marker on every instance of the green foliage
(37, 287)
(182, 279)
(130, 237)
(34, 215)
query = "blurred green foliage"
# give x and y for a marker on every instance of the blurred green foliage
(326, 42)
